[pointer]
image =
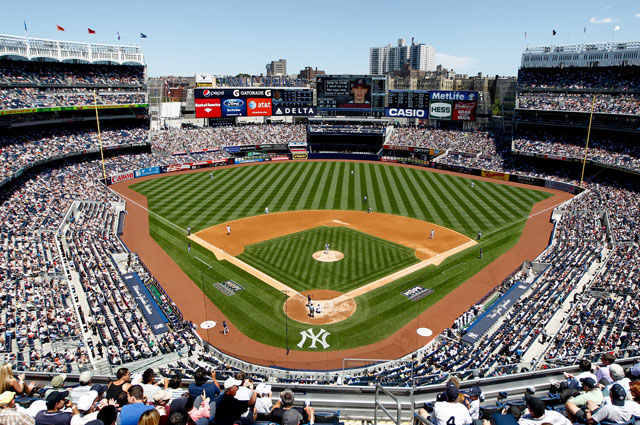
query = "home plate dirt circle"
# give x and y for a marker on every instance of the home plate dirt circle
(328, 256)
(334, 307)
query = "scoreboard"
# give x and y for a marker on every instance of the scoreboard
(417, 99)
(252, 101)
(436, 105)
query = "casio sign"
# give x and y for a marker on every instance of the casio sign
(408, 113)
(233, 102)
(440, 110)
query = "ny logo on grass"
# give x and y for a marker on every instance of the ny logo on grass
(321, 338)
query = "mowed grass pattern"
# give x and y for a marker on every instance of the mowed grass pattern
(290, 258)
(498, 211)
(198, 201)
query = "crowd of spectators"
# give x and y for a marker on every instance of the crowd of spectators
(18, 150)
(473, 142)
(31, 97)
(628, 104)
(602, 78)
(186, 140)
(43, 74)
(604, 151)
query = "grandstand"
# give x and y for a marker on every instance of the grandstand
(71, 290)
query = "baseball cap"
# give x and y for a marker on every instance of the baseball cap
(161, 395)
(85, 376)
(230, 382)
(244, 394)
(451, 392)
(6, 397)
(58, 380)
(535, 405)
(588, 382)
(55, 396)
(100, 389)
(263, 389)
(360, 82)
(291, 417)
(635, 370)
(474, 391)
(617, 394)
(86, 401)
(616, 372)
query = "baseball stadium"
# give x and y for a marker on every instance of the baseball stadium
(324, 239)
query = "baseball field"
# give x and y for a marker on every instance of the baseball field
(406, 203)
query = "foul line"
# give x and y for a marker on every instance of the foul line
(151, 212)
(202, 261)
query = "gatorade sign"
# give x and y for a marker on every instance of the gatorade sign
(440, 110)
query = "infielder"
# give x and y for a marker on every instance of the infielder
(189, 248)
(432, 233)
(479, 235)
(266, 210)
(225, 328)
(188, 230)
(228, 230)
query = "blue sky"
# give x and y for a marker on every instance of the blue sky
(242, 36)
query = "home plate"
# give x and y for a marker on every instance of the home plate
(424, 332)
(208, 324)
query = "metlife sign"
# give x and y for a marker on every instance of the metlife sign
(454, 95)
(440, 110)
(406, 113)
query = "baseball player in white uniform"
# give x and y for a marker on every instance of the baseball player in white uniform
(228, 230)
(432, 234)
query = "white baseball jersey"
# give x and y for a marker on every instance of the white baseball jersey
(445, 413)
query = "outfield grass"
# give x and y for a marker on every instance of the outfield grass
(366, 258)
(498, 211)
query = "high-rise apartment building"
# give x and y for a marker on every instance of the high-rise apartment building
(420, 57)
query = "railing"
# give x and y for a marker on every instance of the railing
(379, 405)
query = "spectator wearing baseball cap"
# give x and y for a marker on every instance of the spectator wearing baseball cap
(56, 401)
(617, 410)
(450, 411)
(86, 409)
(263, 403)
(538, 414)
(230, 406)
(8, 413)
(618, 377)
(591, 391)
(83, 388)
(56, 384)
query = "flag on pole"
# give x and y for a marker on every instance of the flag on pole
(617, 28)
(143, 35)
(60, 28)
(25, 25)
(585, 29)
(525, 34)
(118, 35)
(91, 31)
(553, 33)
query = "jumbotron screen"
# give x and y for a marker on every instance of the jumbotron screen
(252, 102)
(344, 92)
(436, 105)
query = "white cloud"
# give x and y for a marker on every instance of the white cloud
(595, 20)
(637, 15)
(458, 63)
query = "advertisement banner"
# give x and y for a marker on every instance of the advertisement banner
(231, 149)
(247, 148)
(440, 110)
(178, 167)
(454, 95)
(258, 107)
(464, 111)
(122, 177)
(526, 180)
(275, 147)
(149, 171)
(146, 303)
(234, 108)
(280, 158)
(208, 108)
(295, 111)
(494, 175)
(406, 113)
(231, 93)
(300, 155)
(560, 186)
(72, 108)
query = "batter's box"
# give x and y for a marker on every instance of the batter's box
(229, 287)
(417, 292)
(321, 307)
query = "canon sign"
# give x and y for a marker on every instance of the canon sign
(405, 112)
(440, 110)
(122, 177)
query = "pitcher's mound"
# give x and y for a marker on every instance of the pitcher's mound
(328, 256)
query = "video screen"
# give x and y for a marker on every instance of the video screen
(344, 92)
